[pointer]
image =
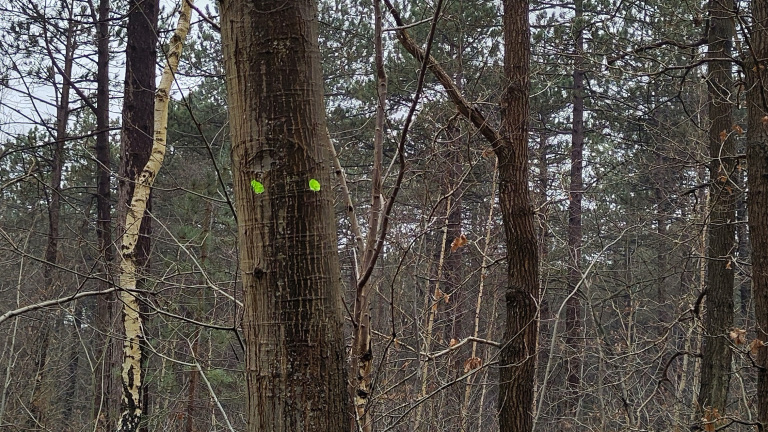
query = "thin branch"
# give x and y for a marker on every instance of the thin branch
(659, 44)
(458, 345)
(401, 147)
(210, 390)
(48, 303)
(465, 108)
(205, 18)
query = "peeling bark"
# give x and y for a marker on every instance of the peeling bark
(132, 355)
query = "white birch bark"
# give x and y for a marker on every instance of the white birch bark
(131, 369)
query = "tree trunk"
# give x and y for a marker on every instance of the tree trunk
(41, 399)
(104, 388)
(575, 194)
(138, 117)
(132, 406)
(138, 124)
(518, 355)
(757, 179)
(716, 352)
(295, 365)
(362, 351)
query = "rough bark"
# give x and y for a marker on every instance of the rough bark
(131, 405)
(104, 387)
(295, 367)
(716, 352)
(138, 130)
(757, 179)
(138, 116)
(518, 355)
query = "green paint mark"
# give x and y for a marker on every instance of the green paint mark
(314, 185)
(258, 187)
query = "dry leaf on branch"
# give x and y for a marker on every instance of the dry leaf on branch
(710, 420)
(738, 336)
(452, 343)
(755, 345)
(472, 363)
(458, 242)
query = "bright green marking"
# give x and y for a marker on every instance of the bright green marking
(314, 185)
(258, 187)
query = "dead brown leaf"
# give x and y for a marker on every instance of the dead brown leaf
(738, 336)
(458, 242)
(472, 363)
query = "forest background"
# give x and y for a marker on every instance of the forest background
(647, 141)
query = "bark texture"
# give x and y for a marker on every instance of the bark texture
(295, 366)
(138, 129)
(104, 387)
(518, 355)
(138, 116)
(132, 354)
(716, 352)
(757, 162)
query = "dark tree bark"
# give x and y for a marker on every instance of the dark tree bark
(518, 355)
(716, 352)
(105, 385)
(136, 145)
(295, 366)
(138, 111)
(757, 179)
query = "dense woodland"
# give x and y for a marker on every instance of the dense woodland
(397, 215)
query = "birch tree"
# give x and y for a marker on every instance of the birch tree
(131, 369)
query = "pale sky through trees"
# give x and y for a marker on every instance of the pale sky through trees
(611, 279)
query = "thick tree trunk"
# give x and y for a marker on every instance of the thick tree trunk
(295, 366)
(138, 114)
(132, 406)
(757, 163)
(138, 130)
(716, 352)
(518, 355)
